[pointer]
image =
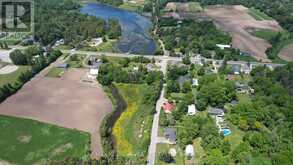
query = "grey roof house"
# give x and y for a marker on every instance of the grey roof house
(170, 134)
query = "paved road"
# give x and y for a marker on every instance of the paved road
(167, 58)
(154, 137)
(155, 127)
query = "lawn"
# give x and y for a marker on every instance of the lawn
(162, 148)
(12, 78)
(30, 142)
(265, 34)
(55, 72)
(75, 61)
(132, 129)
(258, 15)
(109, 46)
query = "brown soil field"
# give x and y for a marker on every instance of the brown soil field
(66, 102)
(236, 21)
(287, 53)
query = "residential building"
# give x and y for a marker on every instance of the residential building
(170, 134)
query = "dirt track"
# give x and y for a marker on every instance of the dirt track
(235, 20)
(65, 102)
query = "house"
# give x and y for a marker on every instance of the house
(191, 110)
(236, 69)
(96, 42)
(243, 88)
(150, 67)
(168, 107)
(246, 68)
(94, 62)
(170, 134)
(189, 151)
(195, 82)
(221, 46)
(216, 111)
(63, 66)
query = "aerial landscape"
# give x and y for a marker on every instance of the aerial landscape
(155, 82)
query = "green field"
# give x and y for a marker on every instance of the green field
(258, 15)
(265, 34)
(12, 78)
(29, 142)
(55, 72)
(132, 129)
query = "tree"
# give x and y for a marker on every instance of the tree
(186, 87)
(18, 58)
(216, 158)
(166, 157)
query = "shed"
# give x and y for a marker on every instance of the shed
(195, 82)
(191, 110)
(170, 134)
(94, 72)
(189, 151)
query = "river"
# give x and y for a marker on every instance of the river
(135, 37)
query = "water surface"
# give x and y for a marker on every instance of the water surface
(135, 37)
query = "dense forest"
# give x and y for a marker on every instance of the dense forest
(57, 19)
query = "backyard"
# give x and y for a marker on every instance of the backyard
(28, 142)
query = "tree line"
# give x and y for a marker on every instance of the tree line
(26, 58)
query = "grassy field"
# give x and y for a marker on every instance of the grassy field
(27, 142)
(12, 77)
(265, 34)
(55, 72)
(132, 129)
(162, 148)
(258, 15)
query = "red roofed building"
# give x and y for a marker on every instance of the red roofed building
(168, 107)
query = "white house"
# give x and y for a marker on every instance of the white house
(189, 151)
(195, 82)
(221, 46)
(191, 110)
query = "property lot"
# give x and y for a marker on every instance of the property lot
(237, 21)
(66, 102)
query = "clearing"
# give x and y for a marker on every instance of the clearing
(237, 21)
(287, 53)
(27, 142)
(66, 102)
